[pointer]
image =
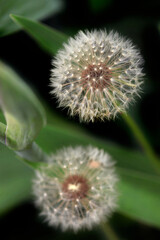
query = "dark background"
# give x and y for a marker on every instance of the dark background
(138, 20)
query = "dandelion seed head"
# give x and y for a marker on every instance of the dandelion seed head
(96, 75)
(80, 195)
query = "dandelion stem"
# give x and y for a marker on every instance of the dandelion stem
(109, 232)
(142, 141)
(33, 153)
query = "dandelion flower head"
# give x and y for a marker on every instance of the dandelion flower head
(77, 188)
(96, 75)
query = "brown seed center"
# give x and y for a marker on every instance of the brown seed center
(75, 187)
(96, 76)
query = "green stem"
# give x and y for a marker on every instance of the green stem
(109, 232)
(33, 153)
(142, 141)
(2, 133)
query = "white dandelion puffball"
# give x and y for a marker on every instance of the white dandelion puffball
(96, 75)
(77, 188)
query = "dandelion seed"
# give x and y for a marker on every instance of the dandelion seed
(98, 64)
(82, 194)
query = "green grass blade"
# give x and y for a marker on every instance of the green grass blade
(49, 39)
(33, 9)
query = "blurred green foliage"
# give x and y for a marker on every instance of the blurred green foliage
(46, 37)
(23, 112)
(36, 9)
(15, 180)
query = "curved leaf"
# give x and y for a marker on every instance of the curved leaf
(37, 9)
(48, 38)
(22, 110)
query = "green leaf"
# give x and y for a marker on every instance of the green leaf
(34, 9)
(22, 110)
(49, 39)
(15, 180)
(139, 185)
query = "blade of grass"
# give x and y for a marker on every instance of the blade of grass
(49, 39)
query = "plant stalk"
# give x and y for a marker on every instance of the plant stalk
(109, 232)
(33, 153)
(138, 134)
